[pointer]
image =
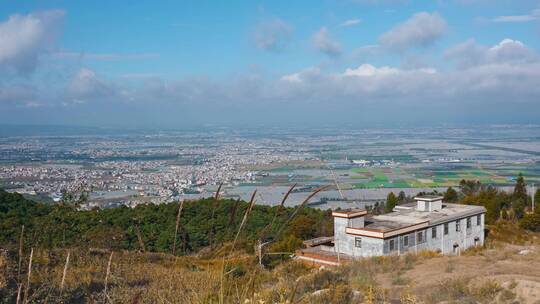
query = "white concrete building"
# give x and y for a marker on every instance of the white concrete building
(428, 224)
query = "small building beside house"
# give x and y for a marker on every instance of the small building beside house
(427, 224)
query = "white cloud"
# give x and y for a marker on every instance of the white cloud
(497, 79)
(272, 35)
(86, 86)
(369, 70)
(421, 30)
(534, 15)
(23, 38)
(508, 51)
(350, 22)
(323, 42)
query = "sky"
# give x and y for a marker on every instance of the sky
(175, 64)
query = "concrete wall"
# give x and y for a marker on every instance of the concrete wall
(464, 238)
(345, 242)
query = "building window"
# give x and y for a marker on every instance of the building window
(392, 245)
(358, 242)
(420, 237)
(406, 241)
(478, 220)
(434, 232)
(458, 227)
(468, 222)
(446, 229)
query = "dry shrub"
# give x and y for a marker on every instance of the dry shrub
(3, 270)
(407, 297)
(465, 290)
(399, 279)
(319, 280)
(452, 289)
(509, 232)
(487, 291)
(338, 294)
(375, 294)
(428, 254)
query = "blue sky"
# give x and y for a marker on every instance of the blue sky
(176, 63)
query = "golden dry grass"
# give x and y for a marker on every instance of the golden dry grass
(501, 273)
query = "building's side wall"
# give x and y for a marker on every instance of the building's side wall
(341, 242)
(369, 246)
(346, 243)
(465, 238)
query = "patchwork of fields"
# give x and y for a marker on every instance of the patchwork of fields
(426, 177)
(408, 176)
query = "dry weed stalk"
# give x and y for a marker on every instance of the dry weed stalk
(278, 212)
(139, 238)
(20, 252)
(177, 224)
(64, 273)
(300, 207)
(233, 212)
(223, 264)
(27, 289)
(108, 272)
(248, 211)
(19, 294)
(214, 207)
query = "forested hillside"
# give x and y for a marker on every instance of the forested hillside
(152, 227)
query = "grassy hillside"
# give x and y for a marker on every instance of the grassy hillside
(500, 273)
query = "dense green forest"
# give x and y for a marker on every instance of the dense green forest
(151, 227)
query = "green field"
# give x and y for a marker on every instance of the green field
(421, 178)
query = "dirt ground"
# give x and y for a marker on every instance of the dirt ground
(516, 268)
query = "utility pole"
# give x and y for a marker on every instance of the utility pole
(260, 245)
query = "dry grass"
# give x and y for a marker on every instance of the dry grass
(3, 270)
(488, 276)
(499, 273)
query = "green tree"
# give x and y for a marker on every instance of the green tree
(391, 201)
(302, 227)
(401, 197)
(470, 187)
(520, 189)
(450, 195)
(531, 222)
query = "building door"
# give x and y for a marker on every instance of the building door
(456, 249)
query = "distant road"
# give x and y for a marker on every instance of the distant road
(535, 153)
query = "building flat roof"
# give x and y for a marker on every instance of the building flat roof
(407, 216)
(428, 198)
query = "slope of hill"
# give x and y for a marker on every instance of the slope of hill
(122, 263)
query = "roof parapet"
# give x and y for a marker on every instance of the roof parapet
(349, 214)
